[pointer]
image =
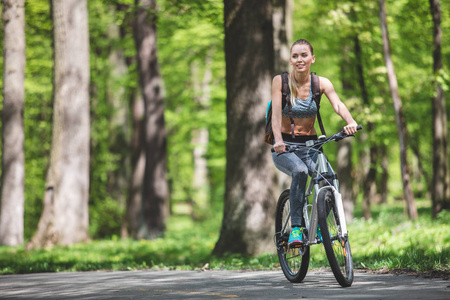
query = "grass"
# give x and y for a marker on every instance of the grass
(392, 241)
(388, 242)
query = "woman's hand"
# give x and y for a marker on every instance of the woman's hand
(351, 128)
(279, 147)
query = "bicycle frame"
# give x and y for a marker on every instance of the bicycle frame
(323, 172)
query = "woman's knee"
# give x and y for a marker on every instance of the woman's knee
(299, 171)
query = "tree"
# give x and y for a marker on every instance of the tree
(200, 139)
(349, 70)
(12, 195)
(399, 118)
(345, 147)
(370, 158)
(282, 36)
(65, 217)
(130, 225)
(282, 33)
(248, 220)
(194, 101)
(441, 179)
(155, 188)
(134, 201)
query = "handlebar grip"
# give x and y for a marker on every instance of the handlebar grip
(359, 127)
(286, 147)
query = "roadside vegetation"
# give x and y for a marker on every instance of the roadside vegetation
(388, 242)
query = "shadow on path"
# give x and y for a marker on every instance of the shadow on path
(216, 285)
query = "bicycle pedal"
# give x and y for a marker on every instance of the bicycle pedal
(297, 245)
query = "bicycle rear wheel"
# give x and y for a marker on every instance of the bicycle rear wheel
(337, 247)
(294, 261)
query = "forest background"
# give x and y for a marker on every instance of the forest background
(190, 37)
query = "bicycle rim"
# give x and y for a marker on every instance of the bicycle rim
(294, 261)
(337, 247)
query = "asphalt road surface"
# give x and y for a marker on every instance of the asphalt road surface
(216, 285)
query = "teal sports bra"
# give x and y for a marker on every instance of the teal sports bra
(302, 108)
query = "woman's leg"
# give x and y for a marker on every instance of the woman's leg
(292, 165)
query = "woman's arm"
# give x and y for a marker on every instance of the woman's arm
(279, 145)
(338, 106)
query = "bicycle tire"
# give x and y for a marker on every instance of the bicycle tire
(293, 261)
(336, 246)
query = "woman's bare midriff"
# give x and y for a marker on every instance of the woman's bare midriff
(302, 126)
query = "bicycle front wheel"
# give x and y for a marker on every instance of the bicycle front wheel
(294, 261)
(337, 247)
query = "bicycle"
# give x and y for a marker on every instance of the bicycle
(326, 213)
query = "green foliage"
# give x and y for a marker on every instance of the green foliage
(332, 27)
(112, 43)
(187, 245)
(190, 44)
(112, 83)
(389, 241)
(392, 241)
(105, 217)
(38, 108)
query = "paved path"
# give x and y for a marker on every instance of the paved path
(215, 285)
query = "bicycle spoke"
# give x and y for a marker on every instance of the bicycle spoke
(292, 257)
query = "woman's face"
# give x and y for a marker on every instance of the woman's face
(301, 58)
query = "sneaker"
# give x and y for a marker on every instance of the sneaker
(296, 236)
(319, 233)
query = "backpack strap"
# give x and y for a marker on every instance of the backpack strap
(315, 82)
(285, 98)
(284, 89)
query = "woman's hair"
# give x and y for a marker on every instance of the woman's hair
(303, 42)
(292, 82)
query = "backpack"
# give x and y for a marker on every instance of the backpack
(315, 82)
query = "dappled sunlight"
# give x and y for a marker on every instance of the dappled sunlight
(218, 285)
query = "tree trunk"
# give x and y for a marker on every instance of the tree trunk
(13, 159)
(134, 201)
(282, 36)
(136, 108)
(440, 193)
(249, 210)
(344, 150)
(367, 155)
(200, 137)
(155, 187)
(420, 174)
(369, 183)
(119, 136)
(399, 118)
(346, 180)
(383, 186)
(65, 217)
(282, 33)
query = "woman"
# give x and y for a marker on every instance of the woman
(301, 162)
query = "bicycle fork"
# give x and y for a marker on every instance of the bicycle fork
(340, 211)
(312, 219)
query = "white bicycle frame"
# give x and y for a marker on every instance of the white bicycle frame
(310, 210)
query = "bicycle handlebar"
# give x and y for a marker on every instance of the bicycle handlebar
(342, 135)
(320, 142)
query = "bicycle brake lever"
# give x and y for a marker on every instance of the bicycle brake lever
(339, 136)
